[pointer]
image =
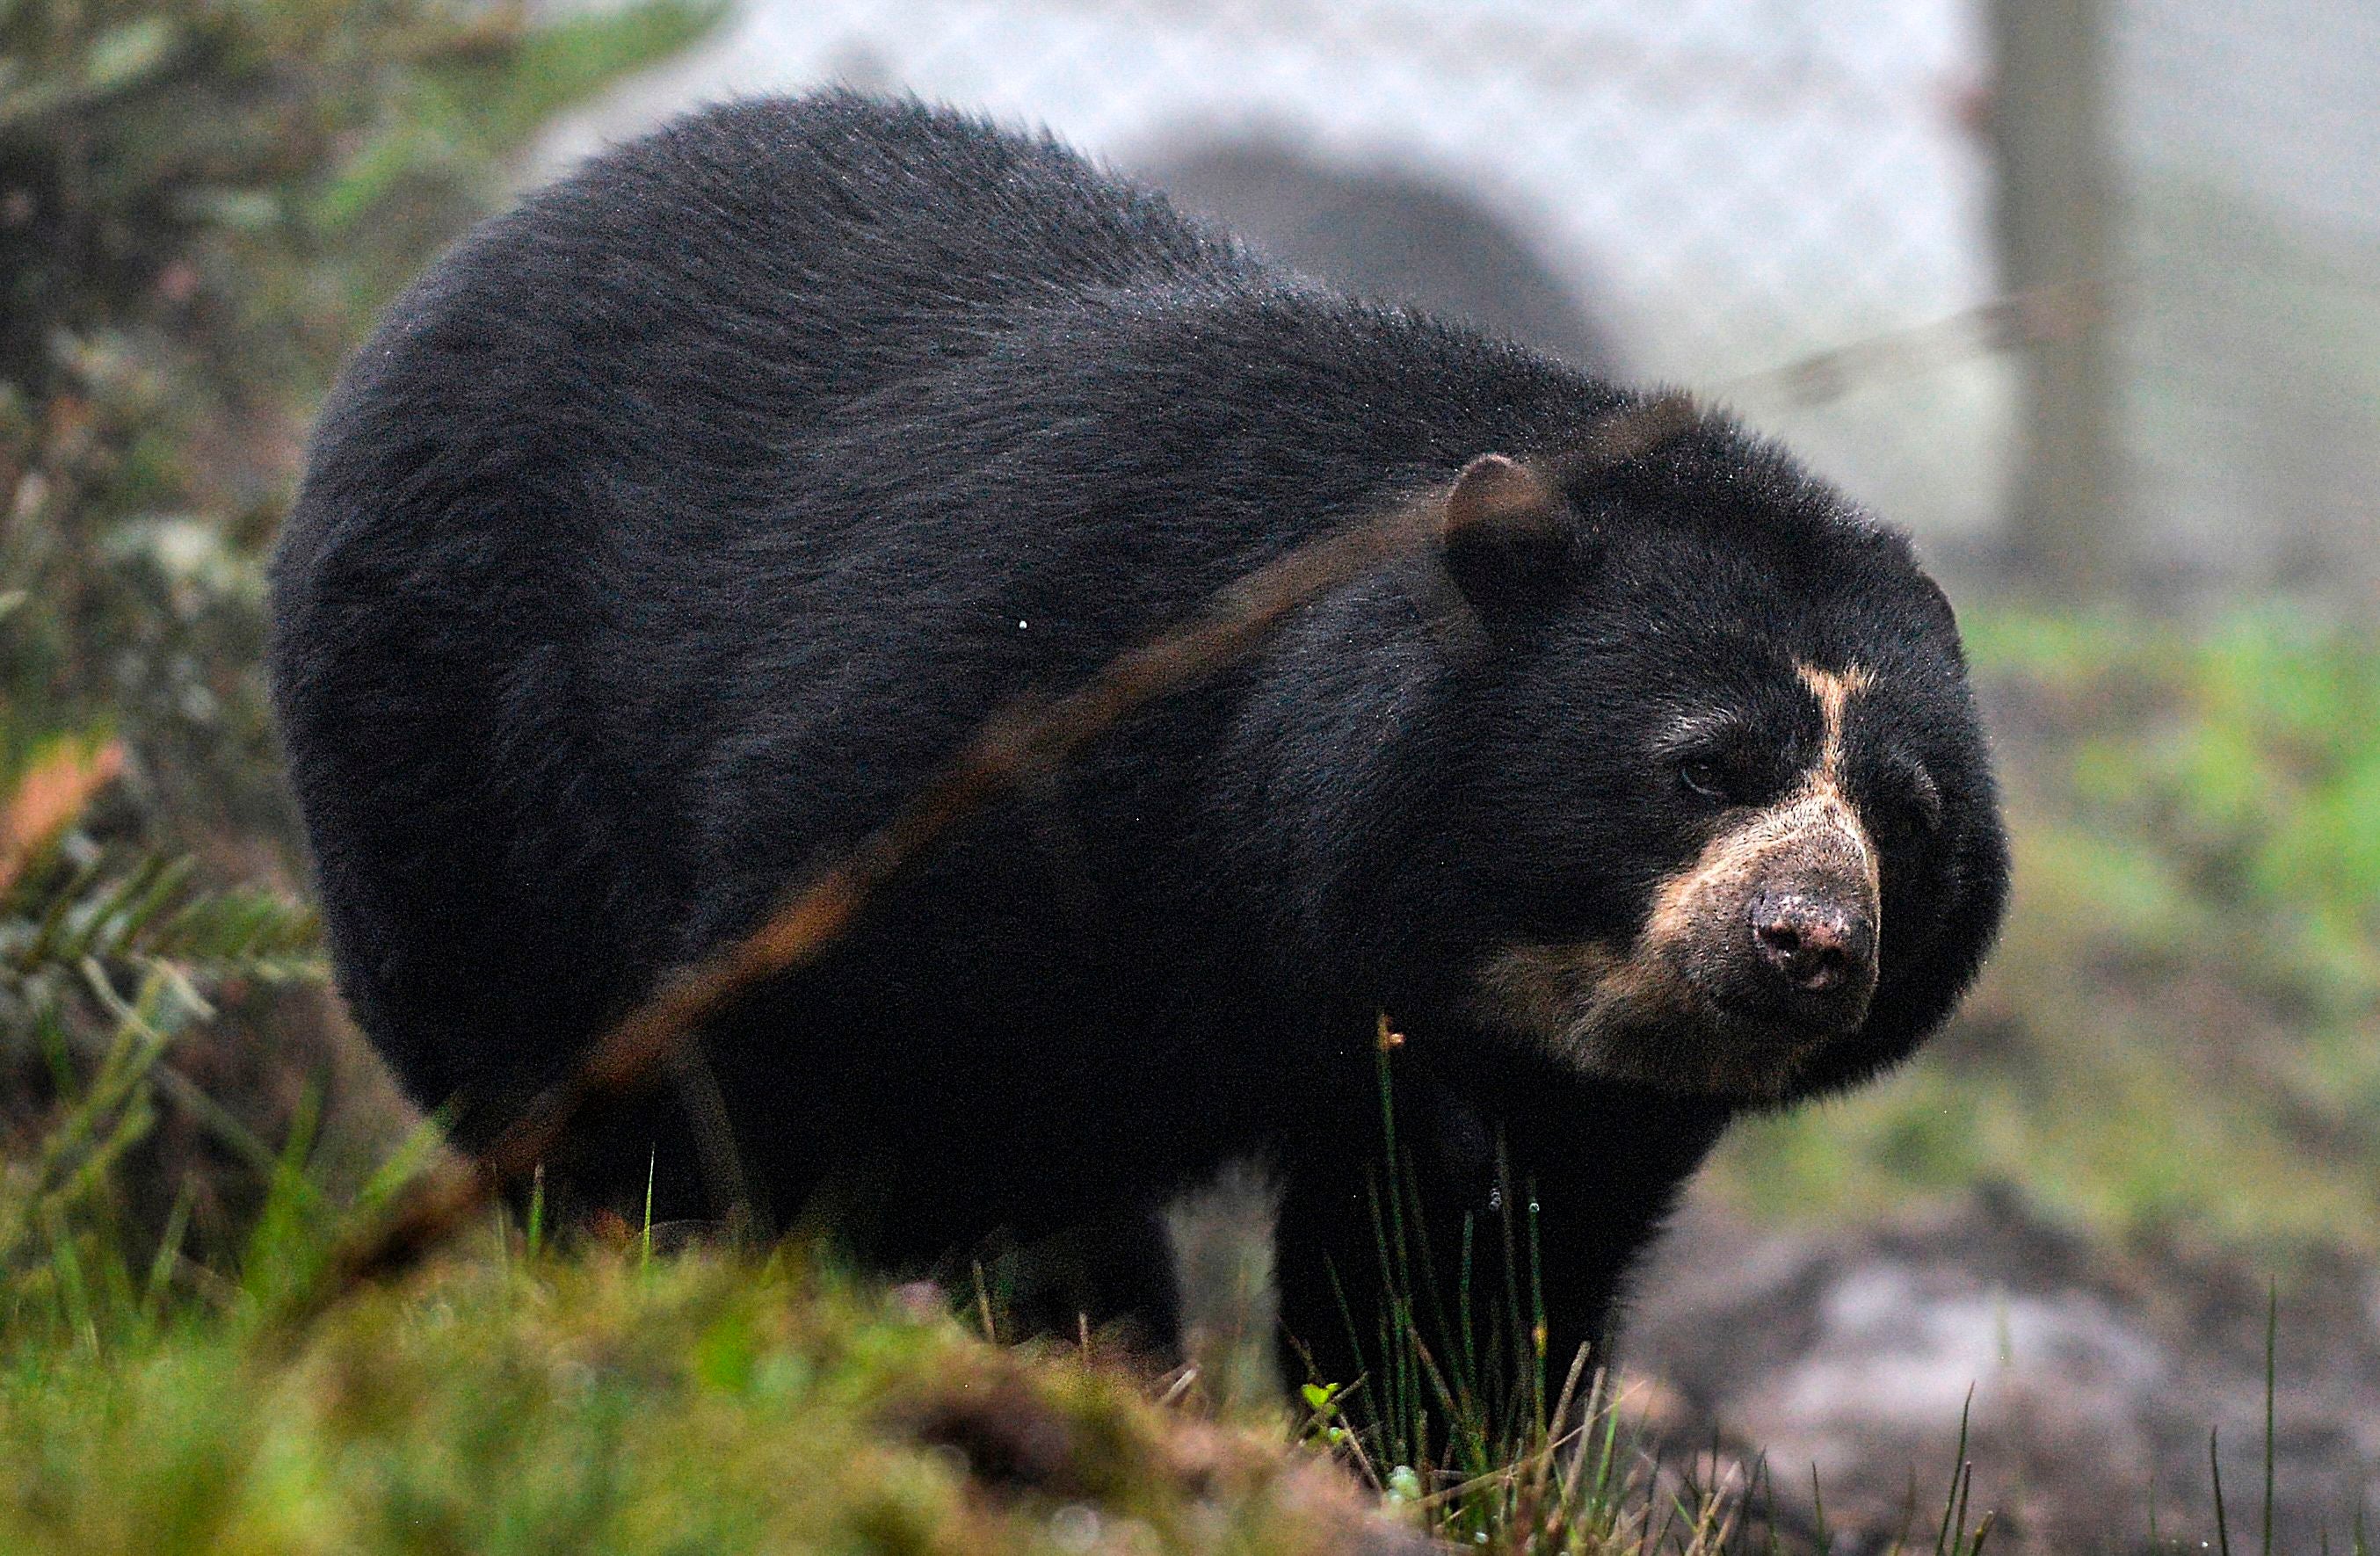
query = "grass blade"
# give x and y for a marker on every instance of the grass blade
(2272, 1331)
(1957, 1473)
(2215, 1467)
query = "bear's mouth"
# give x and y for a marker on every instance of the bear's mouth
(1633, 1017)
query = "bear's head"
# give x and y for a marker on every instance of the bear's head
(1710, 807)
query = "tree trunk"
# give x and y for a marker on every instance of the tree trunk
(2053, 219)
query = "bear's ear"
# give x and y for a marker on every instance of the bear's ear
(1503, 538)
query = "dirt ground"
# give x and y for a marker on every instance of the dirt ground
(2096, 1379)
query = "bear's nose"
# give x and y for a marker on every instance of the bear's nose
(1817, 944)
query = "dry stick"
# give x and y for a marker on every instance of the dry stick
(2052, 312)
(1030, 736)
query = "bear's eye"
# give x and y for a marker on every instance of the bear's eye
(1715, 758)
(1706, 779)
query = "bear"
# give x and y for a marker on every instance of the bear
(678, 523)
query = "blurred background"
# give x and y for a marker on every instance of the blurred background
(2086, 294)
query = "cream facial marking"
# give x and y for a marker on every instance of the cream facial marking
(1671, 1009)
(1834, 690)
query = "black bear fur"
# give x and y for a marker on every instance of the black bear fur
(678, 522)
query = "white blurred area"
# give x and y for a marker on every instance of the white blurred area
(1724, 187)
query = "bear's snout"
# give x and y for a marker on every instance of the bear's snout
(1817, 950)
(1774, 925)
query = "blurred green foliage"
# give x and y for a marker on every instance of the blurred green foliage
(202, 202)
(701, 1404)
(109, 957)
(153, 1400)
(2179, 1037)
(2244, 760)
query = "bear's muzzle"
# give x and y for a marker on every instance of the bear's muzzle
(1756, 956)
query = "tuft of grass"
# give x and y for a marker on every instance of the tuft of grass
(1954, 1539)
(1455, 1425)
(706, 1402)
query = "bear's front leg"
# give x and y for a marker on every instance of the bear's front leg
(1523, 1194)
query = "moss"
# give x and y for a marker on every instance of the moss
(703, 1404)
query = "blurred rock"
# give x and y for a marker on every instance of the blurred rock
(2092, 1376)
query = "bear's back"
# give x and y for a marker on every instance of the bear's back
(706, 295)
(516, 552)
(675, 523)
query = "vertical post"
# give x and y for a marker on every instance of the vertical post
(2053, 221)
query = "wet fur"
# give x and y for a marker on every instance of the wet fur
(676, 523)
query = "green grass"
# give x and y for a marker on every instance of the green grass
(701, 1404)
(605, 1398)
